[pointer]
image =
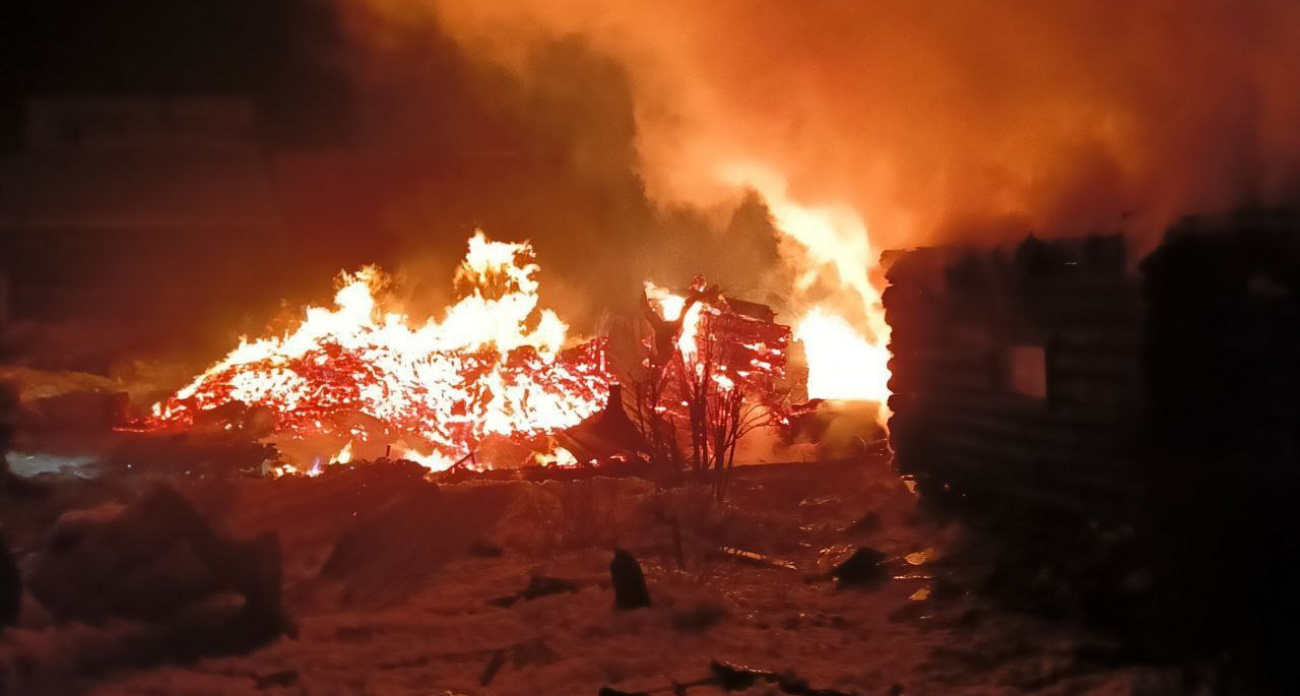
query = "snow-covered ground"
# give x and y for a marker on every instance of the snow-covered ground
(409, 609)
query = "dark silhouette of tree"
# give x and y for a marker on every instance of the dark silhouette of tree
(711, 395)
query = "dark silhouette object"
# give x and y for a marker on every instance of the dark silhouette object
(730, 678)
(11, 587)
(630, 591)
(538, 586)
(865, 568)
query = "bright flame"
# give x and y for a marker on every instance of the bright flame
(560, 457)
(344, 455)
(670, 306)
(846, 360)
(492, 366)
(720, 358)
(669, 303)
(431, 461)
(841, 363)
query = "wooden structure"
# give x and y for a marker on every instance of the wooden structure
(1052, 374)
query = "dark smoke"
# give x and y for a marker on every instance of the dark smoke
(544, 151)
(931, 119)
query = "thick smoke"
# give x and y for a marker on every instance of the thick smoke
(932, 120)
(545, 149)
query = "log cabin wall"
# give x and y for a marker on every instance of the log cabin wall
(1017, 372)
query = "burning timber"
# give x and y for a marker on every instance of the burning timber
(494, 366)
(492, 384)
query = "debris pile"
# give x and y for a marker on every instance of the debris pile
(495, 365)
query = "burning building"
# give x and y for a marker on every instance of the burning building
(369, 459)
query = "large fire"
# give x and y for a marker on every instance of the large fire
(842, 364)
(493, 365)
(846, 360)
(716, 372)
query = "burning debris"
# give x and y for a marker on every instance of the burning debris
(714, 372)
(393, 479)
(495, 365)
(492, 384)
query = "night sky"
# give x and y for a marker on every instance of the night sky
(277, 51)
(391, 159)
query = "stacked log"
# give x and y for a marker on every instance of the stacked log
(1171, 404)
(961, 422)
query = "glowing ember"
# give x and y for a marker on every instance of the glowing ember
(493, 365)
(735, 350)
(344, 455)
(431, 461)
(561, 457)
(670, 306)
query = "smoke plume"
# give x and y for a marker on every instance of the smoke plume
(815, 134)
(937, 118)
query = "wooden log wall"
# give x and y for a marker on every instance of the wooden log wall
(962, 422)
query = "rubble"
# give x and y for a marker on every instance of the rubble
(731, 677)
(362, 372)
(869, 523)
(424, 616)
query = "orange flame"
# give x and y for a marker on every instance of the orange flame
(344, 455)
(670, 306)
(846, 359)
(493, 365)
(842, 364)
(560, 457)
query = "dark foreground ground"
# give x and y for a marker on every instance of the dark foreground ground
(395, 588)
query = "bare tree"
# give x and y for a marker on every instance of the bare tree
(654, 420)
(726, 402)
(714, 392)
